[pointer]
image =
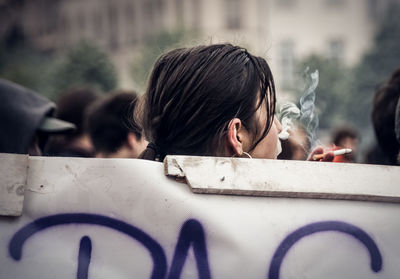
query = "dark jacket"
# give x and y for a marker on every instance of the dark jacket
(21, 113)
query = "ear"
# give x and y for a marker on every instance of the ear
(132, 140)
(235, 137)
(135, 145)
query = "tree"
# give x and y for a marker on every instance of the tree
(344, 95)
(85, 65)
(375, 67)
(332, 91)
(153, 48)
(23, 64)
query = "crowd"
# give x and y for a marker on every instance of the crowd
(216, 100)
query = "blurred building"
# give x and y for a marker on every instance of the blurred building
(280, 30)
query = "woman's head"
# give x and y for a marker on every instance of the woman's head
(215, 100)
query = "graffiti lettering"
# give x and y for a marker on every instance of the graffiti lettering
(85, 253)
(291, 239)
(156, 251)
(191, 232)
(191, 235)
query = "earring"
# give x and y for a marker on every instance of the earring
(243, 155)
(246, 155)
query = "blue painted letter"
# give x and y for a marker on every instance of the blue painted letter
(85, 253)
(290, 240)
(156, 251)
(191, 232)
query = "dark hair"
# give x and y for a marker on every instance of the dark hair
(193, 93)
(71, 107)
(108, 121)
(342, 133)
(383, 116)
(72, 104)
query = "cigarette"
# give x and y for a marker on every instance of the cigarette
(335, 153)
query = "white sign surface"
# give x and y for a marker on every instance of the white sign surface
(116, 218)
(13, 172)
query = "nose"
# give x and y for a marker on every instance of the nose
(278, 125)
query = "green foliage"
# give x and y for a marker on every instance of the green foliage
(26, 66)
(376, 66)
(85, 65)
(332, 91)
(344, 95)
(154, 47)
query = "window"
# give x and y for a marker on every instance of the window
(130, 12)
(373, 9)
(81, 21)
(287, 64)
(196, 14)
(98, 23)
(336, 50)
(149, 18)
(335, 3)
(158, 7)
(233, 11)
(285, 3)
(113, 27)
(130, 22)
(179, 12)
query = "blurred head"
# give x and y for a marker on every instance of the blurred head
(215, 100)
(71, 107)
(110, 130)
(346, 137)
(72, 104)
(384, 114)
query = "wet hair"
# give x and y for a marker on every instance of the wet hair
(193, 94)
(384, 114)
(108, 121)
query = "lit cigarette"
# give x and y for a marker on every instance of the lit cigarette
(335, 153)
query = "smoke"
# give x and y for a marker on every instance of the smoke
(306, 114)
(288, 111)
(308, 117)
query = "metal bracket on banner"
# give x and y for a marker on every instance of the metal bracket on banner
(289, 179)
(13, 178)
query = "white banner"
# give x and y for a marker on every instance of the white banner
(121, 218)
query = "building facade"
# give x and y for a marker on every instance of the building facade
(282, 31)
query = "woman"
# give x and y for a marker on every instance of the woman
(216, 100)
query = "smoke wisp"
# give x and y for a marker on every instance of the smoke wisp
(306, 114)
(308, 117)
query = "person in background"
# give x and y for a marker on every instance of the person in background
(383, 119)
(216, 100)
(345, 137)
(111, 128)
(27, 120)
(71, 108)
